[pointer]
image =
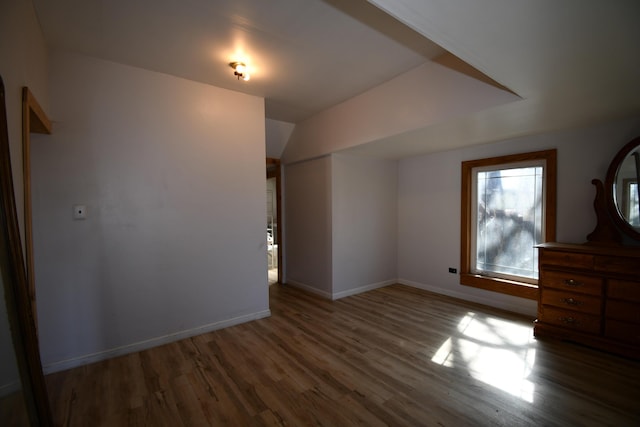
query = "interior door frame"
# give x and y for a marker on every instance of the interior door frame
(274, 171)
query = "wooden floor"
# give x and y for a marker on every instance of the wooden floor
(13, 410)
(393, 356)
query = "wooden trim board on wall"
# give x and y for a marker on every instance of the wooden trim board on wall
(34, 120)
(273, 171)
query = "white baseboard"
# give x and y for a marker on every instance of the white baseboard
(516, 305)
(153, 342)
(9, 388)
(361, 289)
(310, 289)
(338, 295)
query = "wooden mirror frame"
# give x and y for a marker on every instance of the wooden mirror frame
(609, 183)
(17, 299)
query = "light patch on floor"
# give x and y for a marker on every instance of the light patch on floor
(495, 351)
(273, 276)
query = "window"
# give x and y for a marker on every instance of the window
(508, 207)
(630, 202)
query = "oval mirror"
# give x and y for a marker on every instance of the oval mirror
(622, 181)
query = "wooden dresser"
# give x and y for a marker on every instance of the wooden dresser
(590, 294)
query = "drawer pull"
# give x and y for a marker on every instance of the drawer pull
(571, 282)
(571, 301)
(568, 320)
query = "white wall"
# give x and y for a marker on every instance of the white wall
(277, 136)
(340, 223)
(173, 180)
(429, 203)
(364, 223)
(9, 374)
(23, 62)
(307, 223)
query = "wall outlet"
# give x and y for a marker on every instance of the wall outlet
(79, 212)
(453, 270)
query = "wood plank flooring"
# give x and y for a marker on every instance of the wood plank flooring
(393, 356)
(13, 410)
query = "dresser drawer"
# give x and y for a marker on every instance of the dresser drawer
(572, 301)
(569, 281)
(618, 265)
(590, 294)
(621, 310)
(622, 331)
(565, 259)
(570, 319)
(623, 289)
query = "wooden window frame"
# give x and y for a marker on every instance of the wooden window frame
(504, 286)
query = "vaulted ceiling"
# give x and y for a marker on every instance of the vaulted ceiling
(571, 61)
(303, 55)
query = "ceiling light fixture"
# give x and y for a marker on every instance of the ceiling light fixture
(240, 70)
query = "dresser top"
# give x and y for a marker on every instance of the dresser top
(593, 249)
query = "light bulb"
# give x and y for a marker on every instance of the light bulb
(240, 68)
(246, 77)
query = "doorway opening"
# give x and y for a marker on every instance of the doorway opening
(274, 230)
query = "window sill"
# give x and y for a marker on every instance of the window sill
(503, 286)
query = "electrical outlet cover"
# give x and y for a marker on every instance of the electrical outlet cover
(79, 212)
